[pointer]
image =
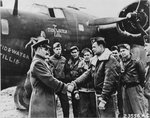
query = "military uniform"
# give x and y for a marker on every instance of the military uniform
(147, 88)
(133, 79)
(72, 70)
(59, 66)
(44, 86)
(104, 71)
(87, 99)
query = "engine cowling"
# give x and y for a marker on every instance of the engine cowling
(129, 27)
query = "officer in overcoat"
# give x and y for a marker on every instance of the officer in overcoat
(44, 84)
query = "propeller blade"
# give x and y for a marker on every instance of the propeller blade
(1, 3)
(141, 28)
(105, 21)
(138, 6)
(15, 10)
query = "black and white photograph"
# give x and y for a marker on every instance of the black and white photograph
(75, 59)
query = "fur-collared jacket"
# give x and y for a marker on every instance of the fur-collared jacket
(44, 85)
(105, 70)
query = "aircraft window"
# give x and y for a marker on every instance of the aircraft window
(81, 27)
(56, 13)
(59, 13)
(5, 27)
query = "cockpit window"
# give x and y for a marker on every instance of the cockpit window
(4, 26)
(56, 13)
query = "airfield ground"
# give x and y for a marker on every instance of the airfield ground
(8, 108)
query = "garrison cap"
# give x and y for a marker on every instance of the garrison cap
(126, 46)
(56, 45)
(114, 48)
(74, 48)
(86, 50)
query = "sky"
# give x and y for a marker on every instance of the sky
(99, 8)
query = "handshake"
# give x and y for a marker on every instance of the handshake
(71, 86)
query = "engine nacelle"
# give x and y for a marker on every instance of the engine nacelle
(129, 27)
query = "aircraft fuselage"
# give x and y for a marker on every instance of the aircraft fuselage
(69, 29)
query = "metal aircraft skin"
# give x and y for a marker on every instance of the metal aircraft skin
(69, 26)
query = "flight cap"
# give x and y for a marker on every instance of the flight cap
(86, 50)
(125, 46)
(74, 48)
(56, 45)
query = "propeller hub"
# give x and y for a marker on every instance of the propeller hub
(134, 16)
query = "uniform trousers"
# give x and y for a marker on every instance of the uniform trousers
(87, 103)
(64, 103)
(134, 101)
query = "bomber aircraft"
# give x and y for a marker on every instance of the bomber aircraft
(70, 27)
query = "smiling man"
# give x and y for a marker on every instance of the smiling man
(72, 70)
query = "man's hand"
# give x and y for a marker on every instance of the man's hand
(77, 96)
(101, 104)
(70, 87)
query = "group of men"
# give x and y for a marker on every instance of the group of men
(92, 80)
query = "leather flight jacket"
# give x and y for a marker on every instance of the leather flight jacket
(134, 73)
